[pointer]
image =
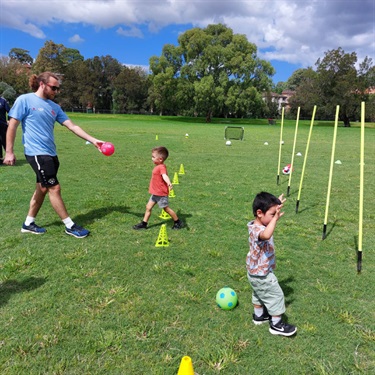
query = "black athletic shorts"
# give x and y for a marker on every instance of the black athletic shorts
(45, 168)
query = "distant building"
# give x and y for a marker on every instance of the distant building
(282, 99)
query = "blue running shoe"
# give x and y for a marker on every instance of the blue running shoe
(77, 231)
(32, 228)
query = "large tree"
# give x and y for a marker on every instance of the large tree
(104, 71)
(78, 86)
(15, 74)
(21, 55)
(214, 63)
(130, 90)
(55, 58)
(304, 82)
(340, 83)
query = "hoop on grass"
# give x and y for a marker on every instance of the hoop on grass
(234, 132)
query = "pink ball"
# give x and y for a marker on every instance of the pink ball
(107, 148)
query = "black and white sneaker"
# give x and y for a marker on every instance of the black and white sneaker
(282, 329)
(264, 318)
(141, 225)
(177, 224)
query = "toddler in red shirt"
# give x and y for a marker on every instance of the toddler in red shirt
(160, 185)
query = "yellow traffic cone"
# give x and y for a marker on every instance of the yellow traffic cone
(156, 138)
(162, 240)
(182, 170)
(186, 366)
(164, 215)
(171, 194)
(175, 179)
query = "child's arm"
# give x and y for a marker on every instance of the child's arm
(167, 181)
(270, 228)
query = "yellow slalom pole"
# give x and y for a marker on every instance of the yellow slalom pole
(361, 174)
(331, 172)
(305, 157)
(280, 145)
(294, 148)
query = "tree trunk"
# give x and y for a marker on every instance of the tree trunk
(346, 121)
(208, 117)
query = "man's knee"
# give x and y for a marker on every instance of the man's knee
(56, 189)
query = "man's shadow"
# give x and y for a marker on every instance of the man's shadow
(90, 216)
(10, 287)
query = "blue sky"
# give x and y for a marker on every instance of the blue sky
(291, 34)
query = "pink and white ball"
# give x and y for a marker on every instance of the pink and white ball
(287, 169)
(107, 148)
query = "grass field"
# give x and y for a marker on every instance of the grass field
(113, 303)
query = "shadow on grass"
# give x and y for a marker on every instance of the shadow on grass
(91, 216)
(181, 216)
(19, 163)
(330, 230)
(306, 208)
(10, 287)
(288, 290)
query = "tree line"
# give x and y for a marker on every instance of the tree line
(211, 72)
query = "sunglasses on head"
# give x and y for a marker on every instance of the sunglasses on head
(53, 88)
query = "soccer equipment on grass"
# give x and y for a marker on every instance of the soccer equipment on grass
(226, 298)
(234, 132)
(107, 148)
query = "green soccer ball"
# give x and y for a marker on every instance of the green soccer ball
(226, 298)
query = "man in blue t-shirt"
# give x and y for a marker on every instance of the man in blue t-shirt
(38, 113)
(4, 109)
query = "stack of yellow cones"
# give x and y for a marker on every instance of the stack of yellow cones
(175, 179)
(171, 194)
(162, 240)
(186, 366)
(164, 215)
(182, 170)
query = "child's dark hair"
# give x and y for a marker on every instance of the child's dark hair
(161, 151)
(264, 201)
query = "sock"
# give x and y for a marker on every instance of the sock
(68, 222)
(29, 220)
(258, 311)
(275, 320)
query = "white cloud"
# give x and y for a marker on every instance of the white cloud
(132, 32)
(76, 39)
(145, 68)
(296, 31)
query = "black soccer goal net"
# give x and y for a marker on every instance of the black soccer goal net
(234, 132)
